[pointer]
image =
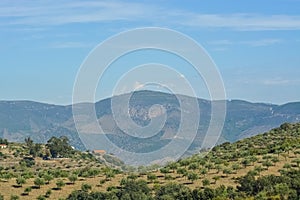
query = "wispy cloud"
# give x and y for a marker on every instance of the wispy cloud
(244, 21)
(281, 81)
(263, 42)
(65, 12)
(48, 13)
(219, 49)
(220, 42)
(221, 45)
(63, 45)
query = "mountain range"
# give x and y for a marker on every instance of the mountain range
(40, 121)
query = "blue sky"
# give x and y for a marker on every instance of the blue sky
(255, 44)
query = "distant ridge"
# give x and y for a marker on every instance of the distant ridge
(40, 121)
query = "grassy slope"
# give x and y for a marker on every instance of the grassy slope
(278, 148)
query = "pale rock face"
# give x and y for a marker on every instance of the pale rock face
(156, 111)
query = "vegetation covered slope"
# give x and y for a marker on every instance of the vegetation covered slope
(266, 166)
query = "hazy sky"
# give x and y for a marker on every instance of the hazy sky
(254, 43)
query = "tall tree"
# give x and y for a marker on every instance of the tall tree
(59, 146)
(28, 142)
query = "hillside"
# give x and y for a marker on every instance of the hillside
(21, 119)
(265, 166)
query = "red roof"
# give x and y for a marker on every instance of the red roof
(99, 151)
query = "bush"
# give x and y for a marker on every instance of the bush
(173, 191)
(28, 162)
(20, 181)
(205, 182)
(72, 178)
(14, 197)
(60, 184)
(86, 187)
(41, 197)
(48, 193)
(38, 182)
(27, 190)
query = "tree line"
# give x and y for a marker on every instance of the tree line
(270, 187)
(55, 147)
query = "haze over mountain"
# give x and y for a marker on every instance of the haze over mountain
(20, 119)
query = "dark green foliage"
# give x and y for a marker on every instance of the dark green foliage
(86, 187)
(82, 195)
(173, 166)
(35, 150)
(205, 182)
(182, 171)
(134, 189)
(173, 191)
(20, 180)
(73, 178)
(226, 158)
(165, 170)
(246, 184)
(14, 197)
(284, 187)
(60, 183)
(151, 177)
(59, 147)
(3, 141)
(27, 161)
(192, 176)
(47, 177)
(27, 190)
(287, 185)
(41, 197)
(109, 173)
(130, 189)
(132, 176)
(39, 181)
